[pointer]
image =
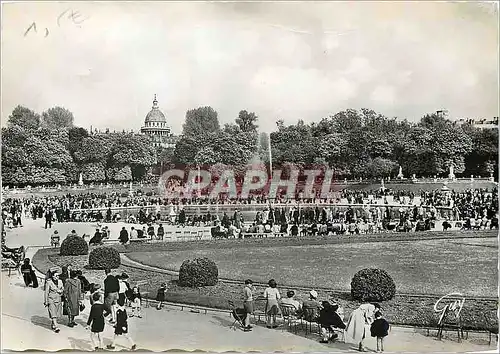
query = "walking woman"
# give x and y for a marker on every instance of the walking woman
(74, 297)
(52, 300)
(272, 296)
(359, 323)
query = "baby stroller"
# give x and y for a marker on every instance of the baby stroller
(239, 315)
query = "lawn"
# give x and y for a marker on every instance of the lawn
(433, 267)
(406, 310)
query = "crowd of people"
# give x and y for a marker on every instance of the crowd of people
(328, 314)
(65, 293)
(473, 209)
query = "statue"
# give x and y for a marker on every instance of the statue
(383, 186)
(130, 191)
(451, 175)
(435, 179)
(345, 180)
(400, 174)
(80, 180)
(472, 178)
(491, 177)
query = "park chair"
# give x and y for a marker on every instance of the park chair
(238, 314)
(450, 321)
(289, 313)
(259, 308)
(310, 316)
(168, 235)
(491, 324)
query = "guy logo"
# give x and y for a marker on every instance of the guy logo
(452, 305)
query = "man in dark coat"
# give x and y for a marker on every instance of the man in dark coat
(123, 236)
(48, 218)
(111, 289)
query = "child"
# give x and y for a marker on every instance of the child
(96, 318)
(121, 327)
(135, 299)
(94, 289)
(161, 295)
(379, 329)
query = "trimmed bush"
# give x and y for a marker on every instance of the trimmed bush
(104, 258)
(372, 284)
(198, 272)
(73, 246)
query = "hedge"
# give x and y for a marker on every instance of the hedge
(73, 246)
(198, 272)
(372, 284)
(104, 258)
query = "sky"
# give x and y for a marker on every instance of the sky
(282, 60)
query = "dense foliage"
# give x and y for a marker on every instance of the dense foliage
(198, 272)
(104, 258)
(51, 150)
(372, 284)
(73, 246)
(47, 148)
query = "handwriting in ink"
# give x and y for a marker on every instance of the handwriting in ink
(73, 16)
(455, 306)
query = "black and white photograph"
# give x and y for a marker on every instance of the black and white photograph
(250, 176)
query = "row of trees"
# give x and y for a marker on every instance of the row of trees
(48, 148)
(353, 143)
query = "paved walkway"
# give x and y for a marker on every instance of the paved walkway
(25, 324)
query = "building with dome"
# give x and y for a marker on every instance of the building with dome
(155, 126)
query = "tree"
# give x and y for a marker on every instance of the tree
(206, 156)
(200, 121)
(246, 121)
(25, 118)
(76, 137)
(57, 117)
(133, 150)
(380, 167)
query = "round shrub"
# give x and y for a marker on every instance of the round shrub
(198, 272)
(73, 246)
(104, 258)
(372, 284)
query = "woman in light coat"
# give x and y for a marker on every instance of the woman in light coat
(73, 296)
(359, 323)
(52, 299)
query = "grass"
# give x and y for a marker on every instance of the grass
(436, 267)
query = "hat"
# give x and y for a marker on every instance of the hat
(124, 276)
(313, 293)
(54, 269)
